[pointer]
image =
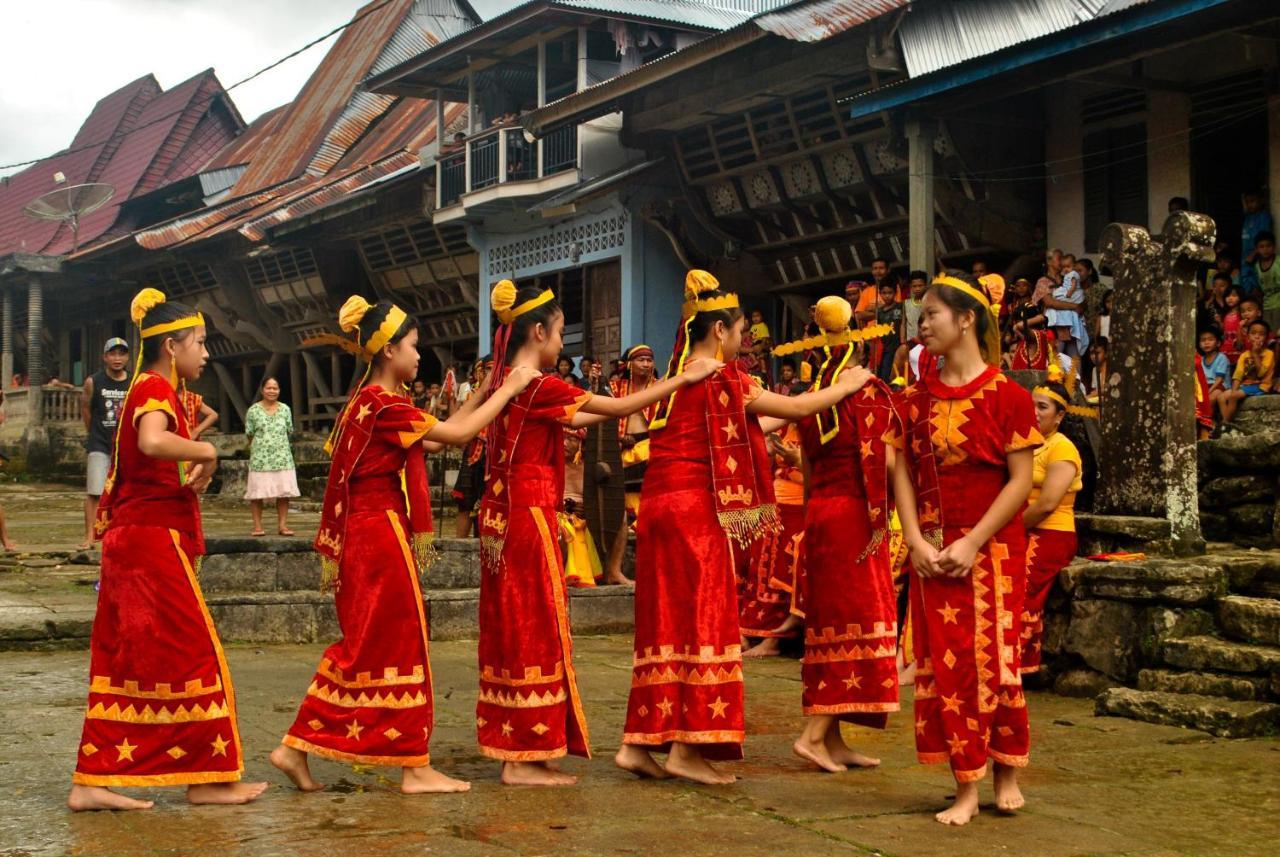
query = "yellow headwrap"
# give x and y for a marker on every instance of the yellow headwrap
(503, 298)
(354, 311)
(147, 300)
(990, 345)
(698, 282)
(832, 314)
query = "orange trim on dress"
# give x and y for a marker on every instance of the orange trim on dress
(339, 756)
(151, 406)
(140, 780)
(852, 708)
(684, 737)
(228, 688)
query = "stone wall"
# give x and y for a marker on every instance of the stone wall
(1238, 475)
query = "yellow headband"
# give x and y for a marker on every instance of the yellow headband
(693, 307)
(1045, 391)
(170, 326)
(533, 303)
(964, 287)
(1078, 410)
(386, 330)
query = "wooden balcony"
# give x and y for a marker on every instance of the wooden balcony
(500, 164)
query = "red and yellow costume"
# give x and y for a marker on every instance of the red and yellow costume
(1051, 544)
(371, 699)
(635, 445)
(772, 565)
(529, 709)
(851, 626)
(1044, 347)
(969, 705)
(704, 490)
(161, 707)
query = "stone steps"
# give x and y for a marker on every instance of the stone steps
(1225, 718)
(1217, 655)
(1251, 620)
(1203, 684)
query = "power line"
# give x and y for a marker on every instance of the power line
(308, 46)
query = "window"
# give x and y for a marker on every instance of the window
(1115, 179)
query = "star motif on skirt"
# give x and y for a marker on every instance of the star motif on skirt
(853, 681)
(948, 614)
(364, 412)
(952, 703)
(354, 729)
(920, 724)
(665, 707)
(507, 729)
(866, 449)
(125, 750)
(730, 430)
(957, 744)
(219, 746)
(717, 707)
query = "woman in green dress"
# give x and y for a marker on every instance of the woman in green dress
(268, 423)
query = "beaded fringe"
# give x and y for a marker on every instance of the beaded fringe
(491, 550)
(424, 550)
(328, 574)
(744, 526)
(874, 542)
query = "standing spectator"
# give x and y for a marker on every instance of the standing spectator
(4, 526)
(868, 294)
(978, 269)
(1212, 310)
(759, 330)
(1063, 311)
(104, 393)
(1231, 321)
(1098, 377)
(268, 424)
(419, 394)
(1257, 220)
(1093, 295)
(786, 378)
(918, 283)
(564, 369)
(890, 313)
(593, 378)
(468, 485)
(1267, 274)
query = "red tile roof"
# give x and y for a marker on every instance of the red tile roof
(135, 139)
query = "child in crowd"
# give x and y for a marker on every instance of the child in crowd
(760, 331)
(1255, 370)
(1213, 307)
(1223, 264)
(1098, 358)
(1230, 328)
(1250, 311)
(1267, 275)
(889, 312)
(1257, 220)
(1104, 315)
(1064, 313)
(1217, 368)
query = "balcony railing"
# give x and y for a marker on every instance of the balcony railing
(57, 405)
(502, 155)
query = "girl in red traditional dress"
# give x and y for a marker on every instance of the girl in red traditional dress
(529, 711)
(371, 698)
(1050, 514)
(1032, 351)
(161, 709)
(850, 670)
(970, 434)
(703, 495)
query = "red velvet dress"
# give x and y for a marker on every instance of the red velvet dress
(969, 705)
(370, 700)
(529, 709)
(161, 707)
(772, 564)
(851, 625)
(686, 679)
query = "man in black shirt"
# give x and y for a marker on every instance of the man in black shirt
(100, 407)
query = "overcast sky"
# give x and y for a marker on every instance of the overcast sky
(61, 56)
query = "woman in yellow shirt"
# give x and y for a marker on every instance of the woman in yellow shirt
(1049, 517)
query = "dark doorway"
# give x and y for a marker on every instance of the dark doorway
(1228, 149)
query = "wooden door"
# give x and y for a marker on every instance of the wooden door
(603, 316)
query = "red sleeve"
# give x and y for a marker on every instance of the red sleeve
(1018, 427)
(402, 424)
(554, 399)
(152, 393)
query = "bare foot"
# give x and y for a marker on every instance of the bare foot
(685, 761)
(769, 647)
(257, 534)
(295, 765)
(534, 774)
(87, 798)
(427, 780)
(225, 793)
(907, 675)
(638, 761)
(842, 754)
(965, 809)
(615, 577)
(83, 546)
(1008, 796)
(816, 752)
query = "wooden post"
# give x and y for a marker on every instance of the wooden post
(1147, 463)
(35, 356)
(6, 340)
(920, 211)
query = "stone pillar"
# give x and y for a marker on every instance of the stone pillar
(35, 357)
(6, 340)
(1147, 461)
(920, 210)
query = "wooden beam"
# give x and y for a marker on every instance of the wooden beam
(230, 388)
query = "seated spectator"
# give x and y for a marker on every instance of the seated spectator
(787, 379)
(1213, 307)
(1231, 320)
(1098, 375)
(1255, 370)
(1250, 311)
(1217, 368)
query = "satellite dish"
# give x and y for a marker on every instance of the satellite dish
(69, 204)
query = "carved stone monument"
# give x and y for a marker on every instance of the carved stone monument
(1147, 462)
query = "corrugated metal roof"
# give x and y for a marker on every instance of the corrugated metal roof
(428, 23)
(941, 34)
(240, 150)
(147, 134)
(706, 16)
(816, 21)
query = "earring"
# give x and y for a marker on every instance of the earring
(173, 371)
(720, 351)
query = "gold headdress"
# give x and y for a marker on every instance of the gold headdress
(696, 284)
(1068, 380)
(353, 311)
(832, 314)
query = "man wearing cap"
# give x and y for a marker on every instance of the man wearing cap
(104, 393)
